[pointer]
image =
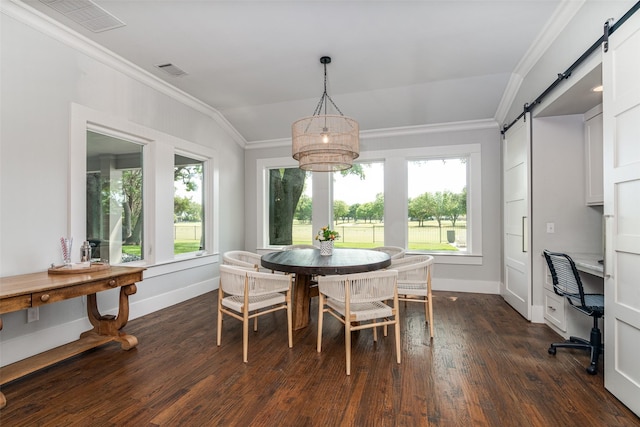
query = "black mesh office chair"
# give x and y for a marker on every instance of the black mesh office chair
(567, 283)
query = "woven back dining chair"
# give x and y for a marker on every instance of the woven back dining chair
(395, 252)
(414, 283)
(359, 301)
(245, 294)
(244, 259)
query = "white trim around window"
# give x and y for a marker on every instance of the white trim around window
(158, 187)
(396, 195)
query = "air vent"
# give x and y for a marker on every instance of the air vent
(86, 13)
(171, 69)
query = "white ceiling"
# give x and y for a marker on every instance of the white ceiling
(395, 63)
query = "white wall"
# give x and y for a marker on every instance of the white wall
(44, 71)
(471, 278)
(558, 196)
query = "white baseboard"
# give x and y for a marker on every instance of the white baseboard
(24, 346)
(158, 302)
(537, 314)
(460, 285)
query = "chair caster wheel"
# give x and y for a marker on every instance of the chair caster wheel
(552, 350)
(592, 370)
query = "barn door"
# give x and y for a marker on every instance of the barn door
(621, 115)
(516, 287)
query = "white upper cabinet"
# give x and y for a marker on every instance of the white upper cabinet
(594, 188)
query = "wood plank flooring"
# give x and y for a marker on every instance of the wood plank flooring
(487, 366)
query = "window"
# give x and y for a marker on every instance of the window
(125, 180)
(188, 205)
(358, 205)
(290, 206)
(393, 179)
(114, 198)
(437, 206)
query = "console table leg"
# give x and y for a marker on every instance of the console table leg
(111, 325)
(3, 400)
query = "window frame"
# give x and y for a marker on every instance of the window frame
(395, 193)
(468, 233)
(158, 188)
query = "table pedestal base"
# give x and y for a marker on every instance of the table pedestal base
(301, 301)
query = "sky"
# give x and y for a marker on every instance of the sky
(425, 176)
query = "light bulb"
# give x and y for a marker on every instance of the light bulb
(325, 135)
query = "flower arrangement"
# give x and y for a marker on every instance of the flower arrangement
(326, 233)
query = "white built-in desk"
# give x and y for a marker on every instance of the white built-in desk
(565, 321)
(588, 263)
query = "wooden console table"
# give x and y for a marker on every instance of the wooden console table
(37, 289)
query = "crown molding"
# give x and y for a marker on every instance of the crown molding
(394, 132)
(48, 26)
(564, 12)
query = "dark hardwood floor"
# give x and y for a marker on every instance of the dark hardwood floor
(487, 366)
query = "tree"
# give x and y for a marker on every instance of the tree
(340, 210)
(460, 206)
(366, 211)
(443, 207)
(422, 208)
(285, 188)
(189, 175)
(353, 211)
(378, 207)
(185, 209)
(132, 206)
(304, 208)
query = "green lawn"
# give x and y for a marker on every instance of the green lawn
(179, 247)
(428, 237)
(354, 235)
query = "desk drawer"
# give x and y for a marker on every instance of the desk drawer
(20, 302)
(55, 295)
(554, 310)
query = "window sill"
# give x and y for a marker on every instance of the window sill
(453, 258)
(175, 265)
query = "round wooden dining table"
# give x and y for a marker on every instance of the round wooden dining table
(306, 263)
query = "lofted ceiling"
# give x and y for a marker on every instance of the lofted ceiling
(395, 63)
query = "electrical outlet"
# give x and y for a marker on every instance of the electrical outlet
(551, 227)
(33, 314)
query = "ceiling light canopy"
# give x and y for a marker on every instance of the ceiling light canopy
(325, 142)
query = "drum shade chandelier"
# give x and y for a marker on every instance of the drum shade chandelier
(325, 142)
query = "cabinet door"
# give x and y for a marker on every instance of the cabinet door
(621, 109)
(594, 187)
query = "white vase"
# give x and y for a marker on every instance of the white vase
(326, 247)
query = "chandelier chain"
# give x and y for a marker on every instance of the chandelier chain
(324, 97)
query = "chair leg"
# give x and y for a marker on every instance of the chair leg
(430, 315)
(397, 332)
(594, 346)
(396, 316)
(320, 319)
(289, 322)
(245, 337)
(219, 318)
(347, 344)
(219, 327)
(375, 332)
